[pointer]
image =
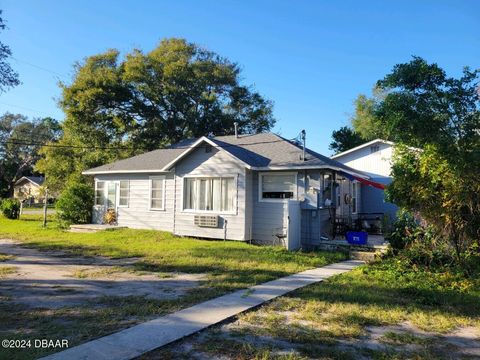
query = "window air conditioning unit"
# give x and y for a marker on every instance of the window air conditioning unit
(206, 221)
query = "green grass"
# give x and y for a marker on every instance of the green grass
(5, 257)
(229, 266)
(312, 321)
(404, 338)
(6, 270)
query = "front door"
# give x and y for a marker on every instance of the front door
(111, 198)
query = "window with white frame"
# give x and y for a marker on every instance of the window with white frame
(124, 194)
(209, 194)
(100, 193)
(157, 193)
(354, 197)
(111, 195)
(278, 186)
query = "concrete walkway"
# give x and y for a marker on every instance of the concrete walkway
(139, 339)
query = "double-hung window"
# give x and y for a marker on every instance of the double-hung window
(278, 186)
(157, 193)
(209, 194)
(124, 194)
(100, 193)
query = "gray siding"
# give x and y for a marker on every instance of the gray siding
(373, 200)
(214, 163)
(269, 218)
(137, 215)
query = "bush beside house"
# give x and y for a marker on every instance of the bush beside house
(74, 206)
(10, 208)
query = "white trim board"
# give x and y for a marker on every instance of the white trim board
(194, 147)
(361, 147)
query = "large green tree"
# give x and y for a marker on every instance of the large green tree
(344, 139)
(8, 77)
(436, 122)
(20, 142)
(145, 101)
(364, 124)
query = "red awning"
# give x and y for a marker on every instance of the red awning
(363, 181)
(371, 183)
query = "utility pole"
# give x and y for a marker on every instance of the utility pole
(45, 208)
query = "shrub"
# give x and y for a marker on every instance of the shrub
(74, 206)
(404, 231)
(10, 208)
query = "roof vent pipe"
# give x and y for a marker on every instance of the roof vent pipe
(235, 124)
(304, 140)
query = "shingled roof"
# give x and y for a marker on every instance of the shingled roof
(259, 152)
(37, 180)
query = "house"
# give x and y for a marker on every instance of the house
(29, 188)
(261, 188)
(373, 158)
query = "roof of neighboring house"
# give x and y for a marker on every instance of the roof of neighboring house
(362, 146)
(265, 151)
(37, 180)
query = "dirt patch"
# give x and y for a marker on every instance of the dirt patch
(53, 280)
(236, 340)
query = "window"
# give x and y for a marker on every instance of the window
(209, 194)
(124, 193)
(278, 186)
(100, 193)
(157, 193)
(111, 195)
(354, 197)
(374, 149)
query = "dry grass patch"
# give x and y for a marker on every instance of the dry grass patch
(7, 270)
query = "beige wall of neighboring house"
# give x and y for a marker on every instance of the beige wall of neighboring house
(26, 189)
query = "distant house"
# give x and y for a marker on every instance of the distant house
(250, 188)
(28, 188)
(374, 159)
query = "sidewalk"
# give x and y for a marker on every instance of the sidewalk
(139, 339)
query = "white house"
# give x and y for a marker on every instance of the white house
(373, 158)
(260, 188)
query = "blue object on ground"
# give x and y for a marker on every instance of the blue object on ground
(357, 237)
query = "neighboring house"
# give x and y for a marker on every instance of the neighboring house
(29, 188)
(373, 158)
(249, 188)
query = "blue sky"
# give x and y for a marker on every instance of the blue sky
(312, 58)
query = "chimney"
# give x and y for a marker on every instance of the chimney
(235, 124)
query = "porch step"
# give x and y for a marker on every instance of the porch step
(91, 228)
(367, 256)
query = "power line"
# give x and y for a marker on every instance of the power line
(39, 67)
(30, 143)
(26, 108)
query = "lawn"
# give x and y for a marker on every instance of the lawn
(385, 310)
(228, 265)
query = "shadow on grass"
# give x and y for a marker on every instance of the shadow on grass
(368, 291)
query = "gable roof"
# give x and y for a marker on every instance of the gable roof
(37, 180)
(362, 146)
(265, 151)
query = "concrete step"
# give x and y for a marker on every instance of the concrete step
(367, 256)
(91, 228)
